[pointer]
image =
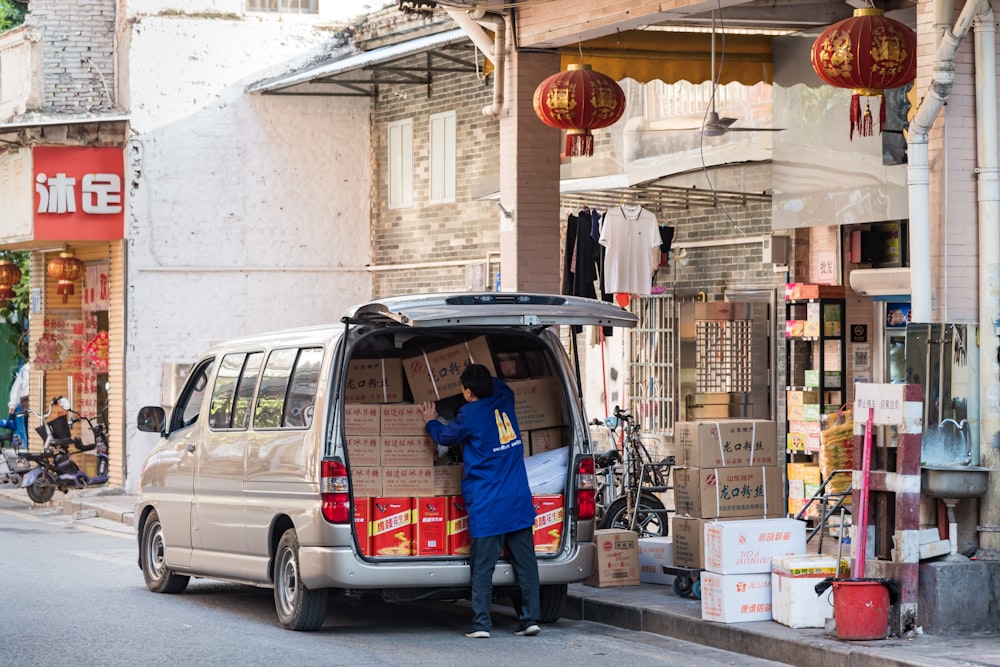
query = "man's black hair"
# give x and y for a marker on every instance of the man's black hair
(477, 379)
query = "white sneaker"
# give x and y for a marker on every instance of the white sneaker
(529, 631)
(478, 634)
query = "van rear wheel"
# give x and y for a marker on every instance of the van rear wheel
(298, 607)
(551, 602)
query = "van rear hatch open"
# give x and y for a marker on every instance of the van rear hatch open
(490, 309)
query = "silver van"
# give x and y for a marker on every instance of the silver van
(253, 479)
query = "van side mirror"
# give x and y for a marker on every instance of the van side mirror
(151, 419)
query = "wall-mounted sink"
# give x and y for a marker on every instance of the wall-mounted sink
(954, 482)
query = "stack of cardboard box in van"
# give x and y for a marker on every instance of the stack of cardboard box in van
(406, 502)
(726, 469)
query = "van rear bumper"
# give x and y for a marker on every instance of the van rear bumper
(325, 567)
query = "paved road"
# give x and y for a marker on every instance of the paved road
(75, 596)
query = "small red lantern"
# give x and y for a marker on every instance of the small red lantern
(67, 269)
(10, 275)
(869, 53)
(579, 100)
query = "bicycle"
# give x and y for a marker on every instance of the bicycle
(627, 479)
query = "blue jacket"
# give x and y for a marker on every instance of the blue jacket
(494, 481)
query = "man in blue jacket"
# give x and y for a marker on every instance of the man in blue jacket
(496, 493)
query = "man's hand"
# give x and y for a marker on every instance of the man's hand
(428, 409)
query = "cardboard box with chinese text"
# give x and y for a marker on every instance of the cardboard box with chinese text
(727, 443)
(402, 419)
(747, 546)
(408, 480)
(549, 516)
(688, 537)
(654, 553)
(538, 403)
(361, 419)
(617, 558)
(407, 450)
(392, 526)
(434, 374)
(735, 598)
(448, 480)
(755, 491)
(374, 381)
(364, 450)
(366, 481)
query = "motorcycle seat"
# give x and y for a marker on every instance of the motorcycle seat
(60, 442)
(605, 459)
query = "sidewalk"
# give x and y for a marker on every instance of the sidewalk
(656, 609)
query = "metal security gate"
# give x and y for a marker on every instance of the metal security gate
(652, 363)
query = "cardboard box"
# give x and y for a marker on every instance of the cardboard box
(408, 480)
(430, 521)
(747, 546)
(448, 480)
(688, 538)
(807, 472)
(726, 443)
(407, 450)
(654, 553)
(793, 594)
(729, 492)
(796, 488)
(803, 291)
(434, 374)
(363, 524)
(617, 559)
(361, 419)
(459, 540)
(544, 440)
(800, 397)
(366, 481)
(392, 526)
(364, 450)
(402, 419)
(538, 403)
(795, 328)
(374, 381)
(549, 517)
(735, 598)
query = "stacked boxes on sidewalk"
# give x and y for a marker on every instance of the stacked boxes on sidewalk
(407, 502)
(726, 470)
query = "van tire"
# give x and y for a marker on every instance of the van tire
(158, 576)
(298, 607)
(551, 602)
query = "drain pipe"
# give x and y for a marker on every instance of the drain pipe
(469, 21)
(918, 170)
(989, 221)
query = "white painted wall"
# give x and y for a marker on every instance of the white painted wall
(247, 213)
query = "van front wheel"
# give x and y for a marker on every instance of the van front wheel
(298, 607)
(551, 602)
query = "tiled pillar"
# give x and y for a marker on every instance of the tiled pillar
(529, 180)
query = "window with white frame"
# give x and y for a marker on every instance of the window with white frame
(283, 6)
(400, 176)
(442, 158)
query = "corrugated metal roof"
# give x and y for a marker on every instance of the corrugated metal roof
(328, 72)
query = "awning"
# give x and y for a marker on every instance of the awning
(33, 120)
(361, 73)
(676, 56)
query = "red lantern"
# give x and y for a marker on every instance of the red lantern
(869, 53)
(10, 275)
(67, 269)
(579, 100)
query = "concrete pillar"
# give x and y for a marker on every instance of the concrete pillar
(529, 180)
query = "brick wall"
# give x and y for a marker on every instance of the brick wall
(78, 51)
(424, 233)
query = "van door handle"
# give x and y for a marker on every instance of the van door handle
(190, 446)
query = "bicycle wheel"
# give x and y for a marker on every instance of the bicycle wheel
(650, 522)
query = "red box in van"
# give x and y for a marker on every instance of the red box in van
(362, 523)
(459, 541)
(392, 526)
(430, 519)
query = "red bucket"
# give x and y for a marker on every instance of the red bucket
(861, 608)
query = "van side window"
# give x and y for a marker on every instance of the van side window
(188, 405)
(302, 389)
(273, 387)
(244, 391)
(221, 408)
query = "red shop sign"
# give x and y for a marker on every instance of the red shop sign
(78, 193)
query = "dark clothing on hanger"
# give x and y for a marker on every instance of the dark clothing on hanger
(580, 265)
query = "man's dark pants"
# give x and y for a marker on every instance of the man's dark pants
(484, 553)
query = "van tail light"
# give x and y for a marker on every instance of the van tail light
(585, 488)
(335, 492)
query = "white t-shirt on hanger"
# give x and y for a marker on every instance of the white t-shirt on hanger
(630, 233)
